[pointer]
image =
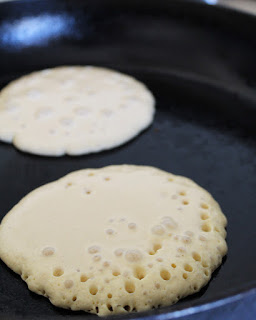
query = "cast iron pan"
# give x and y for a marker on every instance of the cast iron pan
(199, 61)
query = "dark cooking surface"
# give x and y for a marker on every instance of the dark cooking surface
(199, 61)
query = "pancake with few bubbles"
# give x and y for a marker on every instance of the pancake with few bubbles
(73, 110)
(115, 240)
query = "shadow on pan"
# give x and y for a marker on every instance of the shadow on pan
(198, 60)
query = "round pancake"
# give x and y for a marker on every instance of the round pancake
(73, 110)
(115, 240)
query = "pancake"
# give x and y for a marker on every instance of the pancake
(73, 110)
(115, 240)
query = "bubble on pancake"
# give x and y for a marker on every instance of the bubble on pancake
(94, 249)
(48, 251)
(133, 255)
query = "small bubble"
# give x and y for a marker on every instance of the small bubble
(126, 274)
(87, 191)
(169, 223)
(68, 284)
(157, 285)
(106, 264)
(48, 251)
(158, 230)
(132, 225)
(83, 277)
(97, 257)
(181, 249)
(94, 249)
(174, 197)
(91, 174)
(133, 255)
(186, 239)
(119, 252)
(189, 233)
(110, 231)
(202, 238)
(204, 206)
(58, 272)
(68, 185)
(116, 273)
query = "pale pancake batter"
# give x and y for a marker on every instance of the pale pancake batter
(115, 240)
(73, 110)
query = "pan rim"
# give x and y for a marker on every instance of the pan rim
(221, 6)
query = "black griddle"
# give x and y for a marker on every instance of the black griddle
(199, 61)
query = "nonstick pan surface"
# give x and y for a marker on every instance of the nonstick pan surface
(199, 61)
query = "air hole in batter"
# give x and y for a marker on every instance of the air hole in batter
(139, 273)
(165, 274)
(129, 286)
(58, 272)
(93, 290)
